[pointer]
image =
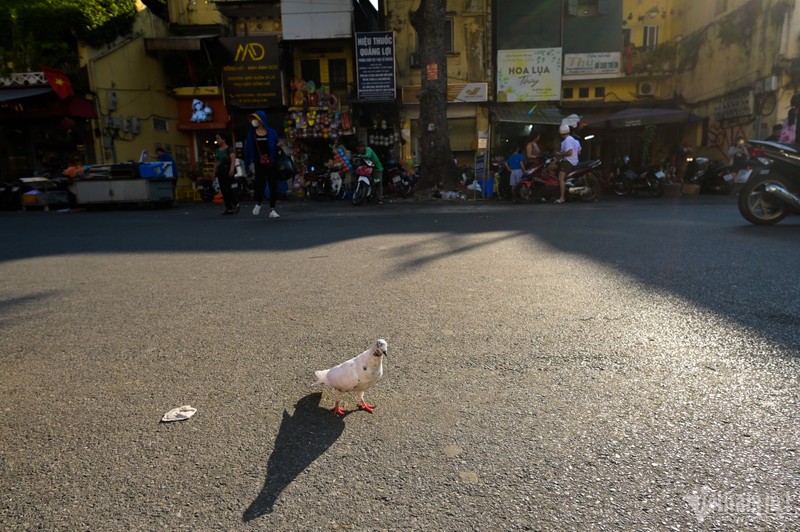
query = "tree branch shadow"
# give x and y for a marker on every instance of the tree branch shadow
(301, 439)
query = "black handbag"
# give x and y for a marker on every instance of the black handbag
(285, 164)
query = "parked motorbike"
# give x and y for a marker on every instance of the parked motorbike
(398, 180)
(318, 184)
(207, 187)
(540, 182)
(364, 168)
(630, 182)
(713, 177)
(773, 191)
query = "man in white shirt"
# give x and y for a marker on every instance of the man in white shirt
(570, 148)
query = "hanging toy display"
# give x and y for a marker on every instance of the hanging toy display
(313, 96)
(298, 92)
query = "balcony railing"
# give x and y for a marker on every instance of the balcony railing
(23, 79)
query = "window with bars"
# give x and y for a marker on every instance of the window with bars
(650, 38)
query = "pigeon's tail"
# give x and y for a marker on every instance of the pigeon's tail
(320, 375)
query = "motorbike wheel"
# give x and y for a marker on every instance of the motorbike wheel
(622, 186)
(359, 194)
(757, 206)
(522, 193)
(594, 185)
(655, 187)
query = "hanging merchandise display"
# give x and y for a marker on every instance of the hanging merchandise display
(381, 135)
(315, 113)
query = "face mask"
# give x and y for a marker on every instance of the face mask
(255, 123)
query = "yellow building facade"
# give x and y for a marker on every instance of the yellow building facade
(135, 110)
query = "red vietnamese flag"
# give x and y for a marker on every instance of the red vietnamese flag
(59, 82)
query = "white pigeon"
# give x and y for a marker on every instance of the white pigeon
(358, 374)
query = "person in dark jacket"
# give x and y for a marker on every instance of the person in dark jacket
(260, 151)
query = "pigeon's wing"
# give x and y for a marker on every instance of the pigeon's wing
(343, 377)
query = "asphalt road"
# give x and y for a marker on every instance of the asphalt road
(620, 365)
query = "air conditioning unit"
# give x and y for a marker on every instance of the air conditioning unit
(112, 101)
(413, 60)
(126, 125)
(646, 88)
(136, 125)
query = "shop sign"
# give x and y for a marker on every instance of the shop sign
(251, 74)
(432, 72)
(375, 65)
(606, 64)
(529, 75)
(201, 113)
(456, 93)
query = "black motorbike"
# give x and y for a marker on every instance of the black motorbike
(630, 182)
(713, 177)
(772, 192)
(399, 182)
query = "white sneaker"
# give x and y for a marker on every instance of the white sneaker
(256, 209)
(273, 214)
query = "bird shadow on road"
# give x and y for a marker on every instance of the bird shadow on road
(301, 439)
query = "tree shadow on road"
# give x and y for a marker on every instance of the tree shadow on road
(301, 439)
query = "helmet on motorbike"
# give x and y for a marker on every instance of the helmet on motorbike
(563, 129)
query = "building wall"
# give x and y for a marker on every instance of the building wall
(732, 68)
(469, 62)
(193, 12)
(123, 73)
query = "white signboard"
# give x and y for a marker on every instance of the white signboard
(602, 63)
(530, 75)
(316, 19)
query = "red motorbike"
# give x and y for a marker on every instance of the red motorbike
(540, 182)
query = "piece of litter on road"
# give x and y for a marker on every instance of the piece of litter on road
(179, 414)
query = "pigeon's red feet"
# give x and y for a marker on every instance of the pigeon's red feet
(338, 410)
(364, 406)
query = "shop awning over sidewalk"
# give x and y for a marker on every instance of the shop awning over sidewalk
(182, 43)
(9, 95)
(636, 116)
(528, 113)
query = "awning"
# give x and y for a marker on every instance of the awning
(635, 117)
(182, 43)
(528, 113)
(7, 95)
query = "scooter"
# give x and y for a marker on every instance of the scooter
(540, 182)
(651, 180)
(364, 169)
(772, 191)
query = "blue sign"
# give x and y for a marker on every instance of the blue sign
(375, 65)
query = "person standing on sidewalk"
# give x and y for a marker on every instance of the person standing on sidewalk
(260, 151)
(224, 171)
(515, 164)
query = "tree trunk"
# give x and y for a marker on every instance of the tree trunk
(436, 159)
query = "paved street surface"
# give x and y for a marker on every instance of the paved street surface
(620, 365)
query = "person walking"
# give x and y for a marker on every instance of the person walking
(260, 152)
(570, 148)
(224, 171)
